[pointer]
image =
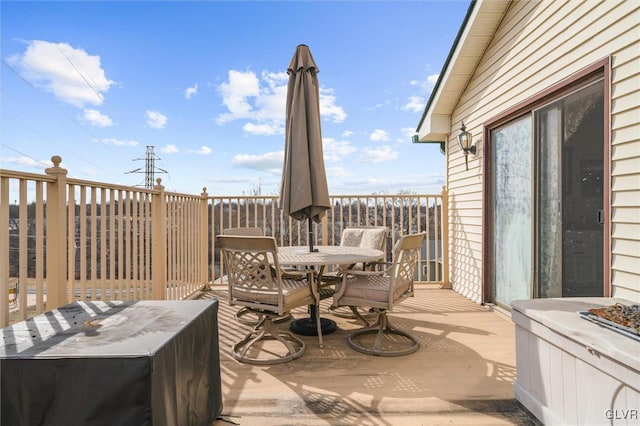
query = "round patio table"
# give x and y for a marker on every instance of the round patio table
(324, 256)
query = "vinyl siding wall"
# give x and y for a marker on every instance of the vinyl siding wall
(537, 45)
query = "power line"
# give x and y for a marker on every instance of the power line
(46, 139)
(94, 138)
(99, 95)
(25, 155)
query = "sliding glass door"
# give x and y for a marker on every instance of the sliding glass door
(547, 173)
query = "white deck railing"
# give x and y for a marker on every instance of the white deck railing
(402, 214)
(73, 240)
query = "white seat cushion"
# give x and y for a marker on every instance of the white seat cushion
(294, 292)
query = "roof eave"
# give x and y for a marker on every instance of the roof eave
(475, 34)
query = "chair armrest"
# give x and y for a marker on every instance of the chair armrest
(342, 285)
(376, 264)
(365, 273)
(291, 274)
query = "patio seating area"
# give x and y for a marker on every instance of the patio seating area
(463, 372)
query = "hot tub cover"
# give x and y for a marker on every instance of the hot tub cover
(117, 363)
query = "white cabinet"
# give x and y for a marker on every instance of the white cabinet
(572, 371)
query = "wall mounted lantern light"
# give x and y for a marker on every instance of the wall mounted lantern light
(465, 141)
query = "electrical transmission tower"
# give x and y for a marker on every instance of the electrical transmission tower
(150, 168)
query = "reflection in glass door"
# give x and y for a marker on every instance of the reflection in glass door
(512, 211)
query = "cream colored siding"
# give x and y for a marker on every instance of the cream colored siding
(625, 163)
(537, 45)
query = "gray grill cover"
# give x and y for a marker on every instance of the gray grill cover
(113, 363)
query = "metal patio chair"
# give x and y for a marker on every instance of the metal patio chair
(357, 236)
(263, 290)
(244, 315)
(381, 291)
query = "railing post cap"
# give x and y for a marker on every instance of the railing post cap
(158, 184)
(56, 169)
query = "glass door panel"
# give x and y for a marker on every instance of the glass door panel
(570, 133)
(512, 146)
(570, 136)
(582, 192)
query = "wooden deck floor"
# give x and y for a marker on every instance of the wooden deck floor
(463, 373)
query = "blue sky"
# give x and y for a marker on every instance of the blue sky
(204, 83)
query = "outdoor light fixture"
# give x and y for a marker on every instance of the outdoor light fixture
(464, 140)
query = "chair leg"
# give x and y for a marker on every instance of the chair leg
(319, 326)
(249, 317)
(265, 331)
(356, 314)
(344, 312)
(382, 329)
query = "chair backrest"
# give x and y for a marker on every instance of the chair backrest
(405, 256)
(365, 236)
(248, 263)
(374, 237)
(251, 231)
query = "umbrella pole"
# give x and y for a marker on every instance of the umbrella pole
(311, 249)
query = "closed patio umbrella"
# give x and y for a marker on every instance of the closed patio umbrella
(303, 193)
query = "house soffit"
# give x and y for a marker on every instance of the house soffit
(476, 32)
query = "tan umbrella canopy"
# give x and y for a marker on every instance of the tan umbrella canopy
(303, 193)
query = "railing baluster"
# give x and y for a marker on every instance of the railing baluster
(39, 257)
(94, 245)
(5, 236)
(22, 255)
(112, 243)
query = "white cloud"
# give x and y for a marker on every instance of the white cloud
(395, 184)
(271, 104)
(170, 149)
(269, 162)
(335, 151)
(337, 172)
(204, 150)
(265, 129)
(378, 155)
(118, 142)
(70, 74)
(415, 104)
(418, 101)
(27, 162)
(407, 134)
(427, 84)
(236, 93)
(261, 101)
(231, 179)
(347, 133)
(96, 118)
(381, 104)
(379, 135)
(328, 108)
(156, 119)
(190, 91)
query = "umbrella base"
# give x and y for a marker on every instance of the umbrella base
(308, 327)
